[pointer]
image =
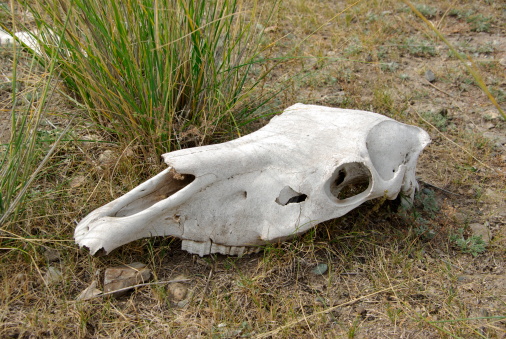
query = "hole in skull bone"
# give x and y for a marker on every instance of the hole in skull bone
(350, 180)
(171, 183)
(340, 177)
(289, 196)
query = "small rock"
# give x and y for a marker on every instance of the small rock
(461, 217)
(77, 181)
(53, 275)
(121, 277)
(183, 303)
(178, 291)
(107, 158)
(90, 292)
(52, 255)
(481, 230)
(430, 76)
(498, 138)
(90, 140)
(491, 115)
(320, 269)
(489, 125)
(492, 196)
(271, 29)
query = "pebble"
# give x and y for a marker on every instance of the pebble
(90, 292)
(77, 181)
(178, 291)
(52, 255)
(122, 277)
(53, 275)
(320, 269)
(107, 158)
(498, 138)
(430, 76)
(481, 230)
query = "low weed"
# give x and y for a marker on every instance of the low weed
(418, 47)
(428, 11)
(422, 213)
(479, 23)
(438, 119)
(473, 244)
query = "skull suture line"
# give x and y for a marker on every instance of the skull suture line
(308, 165)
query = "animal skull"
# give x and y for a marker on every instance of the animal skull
(308, 165)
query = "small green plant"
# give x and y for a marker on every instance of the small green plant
(352, 331)
(438, 119)
(459, 13)
(473, 244)
(389, 66)
(423, 229)
(427, 198)
(354, 47)
(479, 23)
(418, 47)
(421, 213)
(428, 11)
(499, 94)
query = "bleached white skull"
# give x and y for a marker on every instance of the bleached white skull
(308, 165)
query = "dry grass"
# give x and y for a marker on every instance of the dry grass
(392, 273)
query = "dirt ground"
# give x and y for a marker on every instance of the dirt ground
(391, 272)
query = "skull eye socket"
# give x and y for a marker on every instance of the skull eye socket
(350, 180)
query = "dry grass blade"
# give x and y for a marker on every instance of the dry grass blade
(141, 285)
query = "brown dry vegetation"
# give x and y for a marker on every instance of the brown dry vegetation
(391, 273)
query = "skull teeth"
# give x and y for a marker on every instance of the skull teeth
(208, 247)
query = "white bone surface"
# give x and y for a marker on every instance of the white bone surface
(307, 165)
(27, 38)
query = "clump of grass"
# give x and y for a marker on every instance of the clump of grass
(25, 155)
(151, 70)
